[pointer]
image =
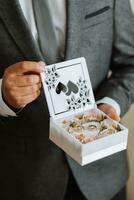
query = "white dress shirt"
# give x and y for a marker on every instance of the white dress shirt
(58, 14)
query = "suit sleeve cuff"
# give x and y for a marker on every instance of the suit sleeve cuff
(111, 102)
(4, 109)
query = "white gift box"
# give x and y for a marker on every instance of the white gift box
(76, 125)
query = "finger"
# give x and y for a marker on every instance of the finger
(110, 111)
(21, 102)
(25, 67)
(23, 81)
(114, 116)
(103, 108)
(24, 91)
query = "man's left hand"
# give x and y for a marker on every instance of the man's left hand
(110, 111)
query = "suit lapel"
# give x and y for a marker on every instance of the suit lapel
(15, 23)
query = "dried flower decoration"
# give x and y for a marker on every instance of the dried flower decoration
(91, 126)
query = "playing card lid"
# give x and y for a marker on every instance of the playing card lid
(67, 87)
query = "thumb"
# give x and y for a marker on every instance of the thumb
(110, 111)
(113, 115)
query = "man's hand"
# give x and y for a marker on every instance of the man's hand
(110, 111)
(21, 83)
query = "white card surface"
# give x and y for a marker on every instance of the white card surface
(67, 86)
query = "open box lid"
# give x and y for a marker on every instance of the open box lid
(67, 87)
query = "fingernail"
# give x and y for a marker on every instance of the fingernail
(43, 65)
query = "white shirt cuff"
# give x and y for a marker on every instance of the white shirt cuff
(4, 109)
(111, 102)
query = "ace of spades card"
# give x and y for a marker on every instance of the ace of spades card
(76, 125)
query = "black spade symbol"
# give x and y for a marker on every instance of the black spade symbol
(60, 88)
(71, 88)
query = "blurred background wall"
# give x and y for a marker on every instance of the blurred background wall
(128, 120)
(132, 3)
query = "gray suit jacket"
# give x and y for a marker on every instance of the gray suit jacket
(31, 166)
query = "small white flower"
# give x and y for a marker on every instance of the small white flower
(73, 103)
(84, 97)
(51, 77)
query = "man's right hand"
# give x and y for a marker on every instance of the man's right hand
(21, 83)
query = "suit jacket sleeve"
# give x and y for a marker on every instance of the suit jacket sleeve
(120, 85)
